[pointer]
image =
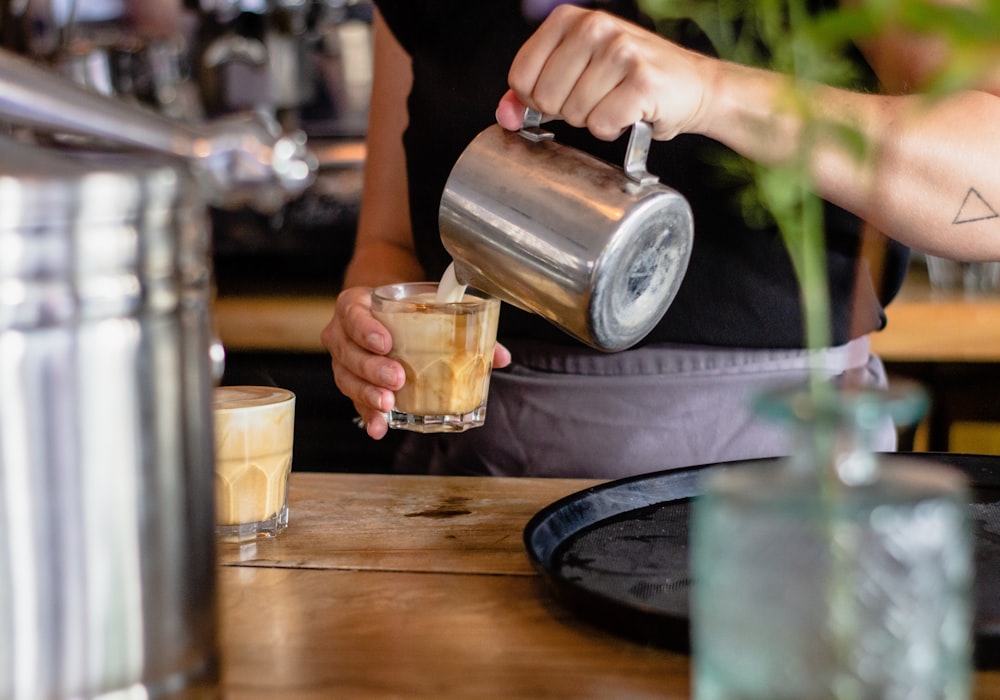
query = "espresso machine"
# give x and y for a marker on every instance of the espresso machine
(308, 62)
(305, 65)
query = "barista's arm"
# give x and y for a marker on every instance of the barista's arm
(930, 160)
(906, 63)
(930, 180)
(383, 250)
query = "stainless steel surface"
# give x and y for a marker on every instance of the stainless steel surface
(639, 141)
(198, 67)
(240, 160)
(565, 235)
(131, 49)
(107, 561)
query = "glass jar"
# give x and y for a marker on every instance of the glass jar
(830, 573)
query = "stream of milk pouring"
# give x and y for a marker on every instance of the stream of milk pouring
(449, 290)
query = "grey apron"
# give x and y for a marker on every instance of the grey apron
(566, 412)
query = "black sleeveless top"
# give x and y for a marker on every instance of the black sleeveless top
(740, 289)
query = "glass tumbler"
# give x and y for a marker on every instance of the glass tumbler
(830, 574)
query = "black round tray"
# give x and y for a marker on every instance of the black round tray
(617, 553)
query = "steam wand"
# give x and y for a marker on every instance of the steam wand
(241, 160)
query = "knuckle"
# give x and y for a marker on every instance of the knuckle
(563, 12)
(519, 79)
(548, 104)
(369, 368)
(326, 336)
(621, 50)
(574, 116)
(601, 130)
(594, 27)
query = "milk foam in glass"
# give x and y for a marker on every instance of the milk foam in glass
(254, 428)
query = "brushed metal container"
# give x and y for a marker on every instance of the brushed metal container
(598, 250)
(107, 559)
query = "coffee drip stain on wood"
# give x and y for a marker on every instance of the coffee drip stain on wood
(449, 508)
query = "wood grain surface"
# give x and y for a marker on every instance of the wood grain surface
(390, 586)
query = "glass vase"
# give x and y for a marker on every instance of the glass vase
(832, 573)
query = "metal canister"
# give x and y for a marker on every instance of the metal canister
(107, 557)
(598, 250)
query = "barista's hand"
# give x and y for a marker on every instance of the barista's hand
(594, 70)
(357, 344)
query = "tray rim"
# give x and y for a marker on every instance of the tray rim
(670, 630)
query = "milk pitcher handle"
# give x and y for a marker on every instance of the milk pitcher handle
(636, 153)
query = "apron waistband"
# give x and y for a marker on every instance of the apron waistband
(670, 358)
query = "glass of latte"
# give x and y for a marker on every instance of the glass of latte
(254, 428)
(446, 348)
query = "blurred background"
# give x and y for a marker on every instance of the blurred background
(308, 64)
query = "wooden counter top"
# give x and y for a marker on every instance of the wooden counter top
(379, 522)
(923, 326)
(419, 587)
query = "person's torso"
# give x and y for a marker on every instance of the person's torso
(740, 289)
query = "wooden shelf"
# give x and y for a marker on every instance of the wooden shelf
(924, 325)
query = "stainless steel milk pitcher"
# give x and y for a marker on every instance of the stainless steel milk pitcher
(598, 250)
(107, 561)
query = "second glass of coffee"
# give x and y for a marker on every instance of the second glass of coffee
(254, 437)
(446, 349)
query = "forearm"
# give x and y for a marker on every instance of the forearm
(382, 262)
(923, 158)
(933, 182)
(384, 251)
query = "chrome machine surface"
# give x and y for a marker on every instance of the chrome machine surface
(107, 567)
